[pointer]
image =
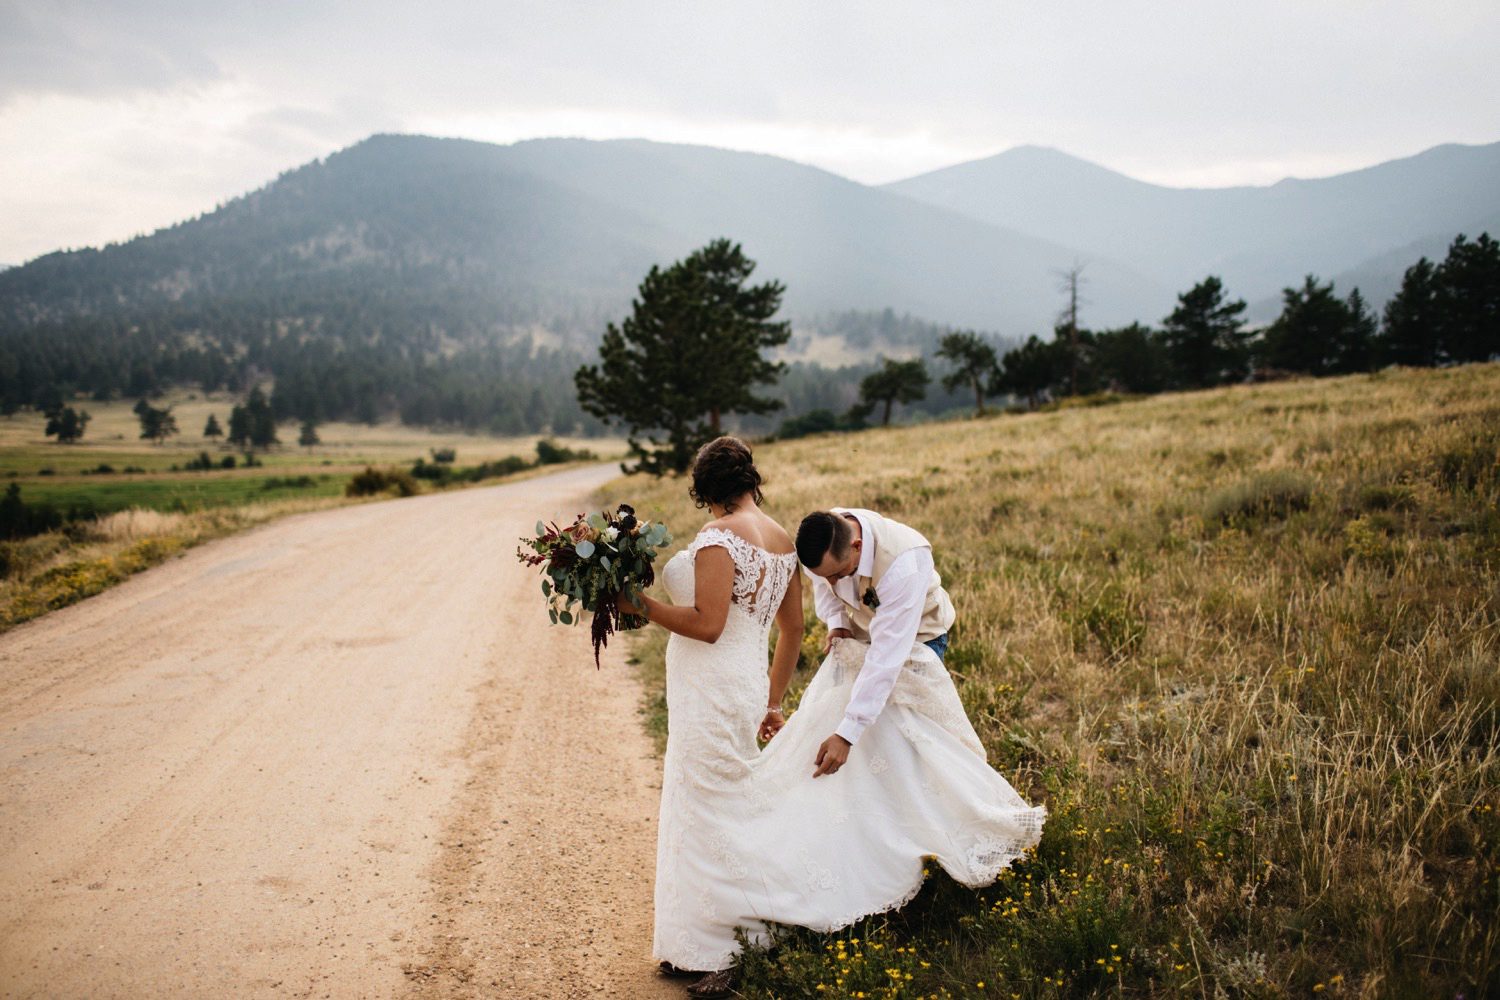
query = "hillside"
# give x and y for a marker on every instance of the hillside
(1241, 643)
(460, 283)
(1359, 227)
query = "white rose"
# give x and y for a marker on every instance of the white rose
(611, 533)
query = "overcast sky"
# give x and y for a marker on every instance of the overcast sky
(121, 116)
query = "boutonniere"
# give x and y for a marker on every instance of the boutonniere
(871, 599)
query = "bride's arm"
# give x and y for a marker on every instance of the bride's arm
(713, 575)
(789, 629)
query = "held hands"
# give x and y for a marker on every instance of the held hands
(831, 755)
(771, 724)
(835, 634)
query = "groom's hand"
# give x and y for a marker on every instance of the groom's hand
(831, 755)
(836, 633)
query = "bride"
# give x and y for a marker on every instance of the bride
(747, 838)
(727, 587)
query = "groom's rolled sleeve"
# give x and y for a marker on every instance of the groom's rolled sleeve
(827, 604)
(893, 631)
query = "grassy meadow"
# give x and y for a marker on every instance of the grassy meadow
(135, 509)
(1245, 646)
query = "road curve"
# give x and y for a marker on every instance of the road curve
(340, 755)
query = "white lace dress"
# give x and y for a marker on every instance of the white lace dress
(752, 838)
(716, 697)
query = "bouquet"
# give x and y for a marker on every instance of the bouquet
(592, 562)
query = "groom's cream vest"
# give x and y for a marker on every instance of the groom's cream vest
(891, 539)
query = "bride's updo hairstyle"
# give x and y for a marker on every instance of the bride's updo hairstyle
(723, 472)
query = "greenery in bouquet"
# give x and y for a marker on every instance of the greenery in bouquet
(591, 562)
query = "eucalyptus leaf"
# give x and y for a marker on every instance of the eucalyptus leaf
(541, 529)
(552, 613)
(585, 549)
(566, 617)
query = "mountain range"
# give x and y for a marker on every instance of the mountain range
(1359, 228)
(405, 252)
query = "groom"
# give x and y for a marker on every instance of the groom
(873, 579)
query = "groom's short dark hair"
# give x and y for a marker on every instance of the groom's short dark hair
(819, 533)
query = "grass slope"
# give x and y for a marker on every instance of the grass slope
(1243, 644)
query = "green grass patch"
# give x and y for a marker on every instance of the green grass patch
(197, 491)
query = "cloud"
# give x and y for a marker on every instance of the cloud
(233, 92)
(53, 49)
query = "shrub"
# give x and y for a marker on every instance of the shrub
(815, 422)
(549, 452)
(1471, 465)
(18, 519)
(443, 456)
(287, 482)
(434, 471)
(373, 481)
(1267, 497)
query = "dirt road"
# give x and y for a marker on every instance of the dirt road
(340, 755)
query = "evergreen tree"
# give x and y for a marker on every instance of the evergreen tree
(1356, 351)
(895, 382)
(1411, 319)
(689, 353)
(1467, 300)
(1029, 370)
(1310, 333)
(156, 424)
(1205, 336)
(1132, 359)
(308, 436)
(212, 429)
(239, 427)
(262, 421)
(67, 424)
(974, 362)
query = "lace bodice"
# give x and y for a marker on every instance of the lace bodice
(760, 577)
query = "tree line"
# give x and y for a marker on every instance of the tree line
(1444, 313)
(692, 350)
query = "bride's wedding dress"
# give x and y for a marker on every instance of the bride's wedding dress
(749, 837)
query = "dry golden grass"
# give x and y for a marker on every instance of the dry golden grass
(1245, 645)
(113, 436)
(58, 568)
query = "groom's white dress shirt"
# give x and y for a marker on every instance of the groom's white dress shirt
(893, 630)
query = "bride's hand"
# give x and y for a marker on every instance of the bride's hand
(771, 724)
(625, 605)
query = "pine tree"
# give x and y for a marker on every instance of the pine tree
(895, 382)
(689, 354)
(212, 428)
(1356, 351)
(1467, 300)
(1310, 333)
(974, 361)
(67, 424)
(308, 436)
(239, 427)
(1205, 336)
(1029, 370)
(262, 422)
(156, 424)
